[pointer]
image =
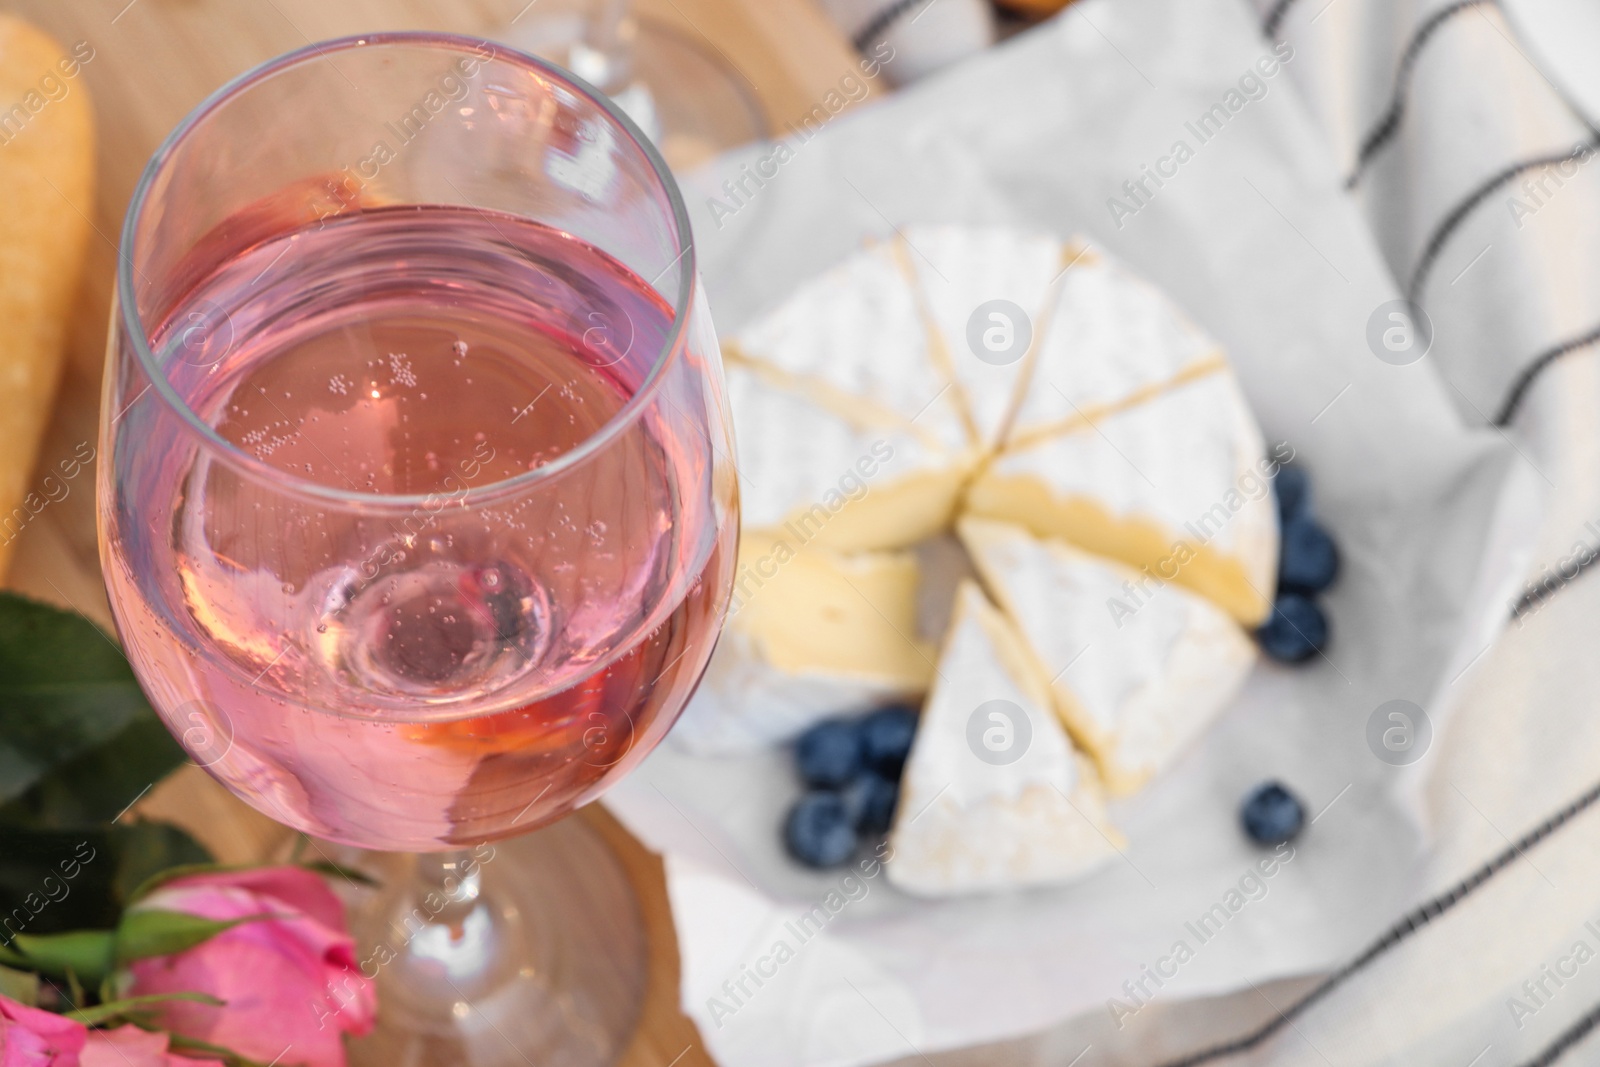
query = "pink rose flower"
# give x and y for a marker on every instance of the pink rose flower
(129, 1046)
(291, 983)
(33, 1038)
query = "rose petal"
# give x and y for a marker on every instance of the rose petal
(276, 1004)
(290, 982)
(129, 1046)
(33, 1038)
(302, 890)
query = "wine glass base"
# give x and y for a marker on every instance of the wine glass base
(686, 98)
(543, 962)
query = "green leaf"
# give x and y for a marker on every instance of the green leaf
(118, 1009)
(68, 688)
(75, 987)
(182, 870)
(78, 954)
(20, 986)
(233, 1059)
(153, 932)
(57, 880)
(329, 869)
(98, 785)
(143, 849)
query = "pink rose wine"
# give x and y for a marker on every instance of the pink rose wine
(417, 505)
(477, 662)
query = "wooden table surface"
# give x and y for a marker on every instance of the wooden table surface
(154, 61)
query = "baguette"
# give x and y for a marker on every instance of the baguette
(46, 200)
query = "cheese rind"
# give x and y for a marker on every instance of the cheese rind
(856, 330)
(966, 823)
(1112, 335)
(745, 704)
(810, 633)
(957, 273)
(1135, 673)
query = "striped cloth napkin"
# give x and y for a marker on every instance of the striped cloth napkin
(1479, 175)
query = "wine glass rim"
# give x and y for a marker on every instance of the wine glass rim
(625, 416)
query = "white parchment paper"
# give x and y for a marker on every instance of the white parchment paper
(1254, 237)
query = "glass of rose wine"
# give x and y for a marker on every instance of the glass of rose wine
(417, 506)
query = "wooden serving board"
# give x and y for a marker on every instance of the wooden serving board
(154, 61)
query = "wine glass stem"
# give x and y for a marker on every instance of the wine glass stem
(453, 877)
(605, 29)
(607, 36)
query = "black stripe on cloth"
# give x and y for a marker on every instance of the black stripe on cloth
(1270, 24)
(880, 23)
(1409, 924)
(1536, 595)
(1447, 225)
(1388, 123)
(1566, 1039)
(1530, 373)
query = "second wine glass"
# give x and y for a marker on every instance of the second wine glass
(674, 82)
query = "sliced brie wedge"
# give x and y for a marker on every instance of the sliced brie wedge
(851, 345)
(1111, 337)
(1175, 485)
(985, 294)
(1134, 441)
(1136, 669)
(993, 794)
(810, 633)
(817, 469)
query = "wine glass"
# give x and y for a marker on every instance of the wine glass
(418, 510)
(680, 90)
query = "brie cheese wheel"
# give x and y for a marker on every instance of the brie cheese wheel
(987, 372)
(986, 363)
(1136, 669)
(810, 634)
(993, 794)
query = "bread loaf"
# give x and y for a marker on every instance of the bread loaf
(46, 202)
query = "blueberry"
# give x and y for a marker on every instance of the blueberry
(1293, 488)
(870, 800)
(886, 739)
(829, 754)
(1296, 630)
(1271, 814)
(818, 831)
(1308, 560)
